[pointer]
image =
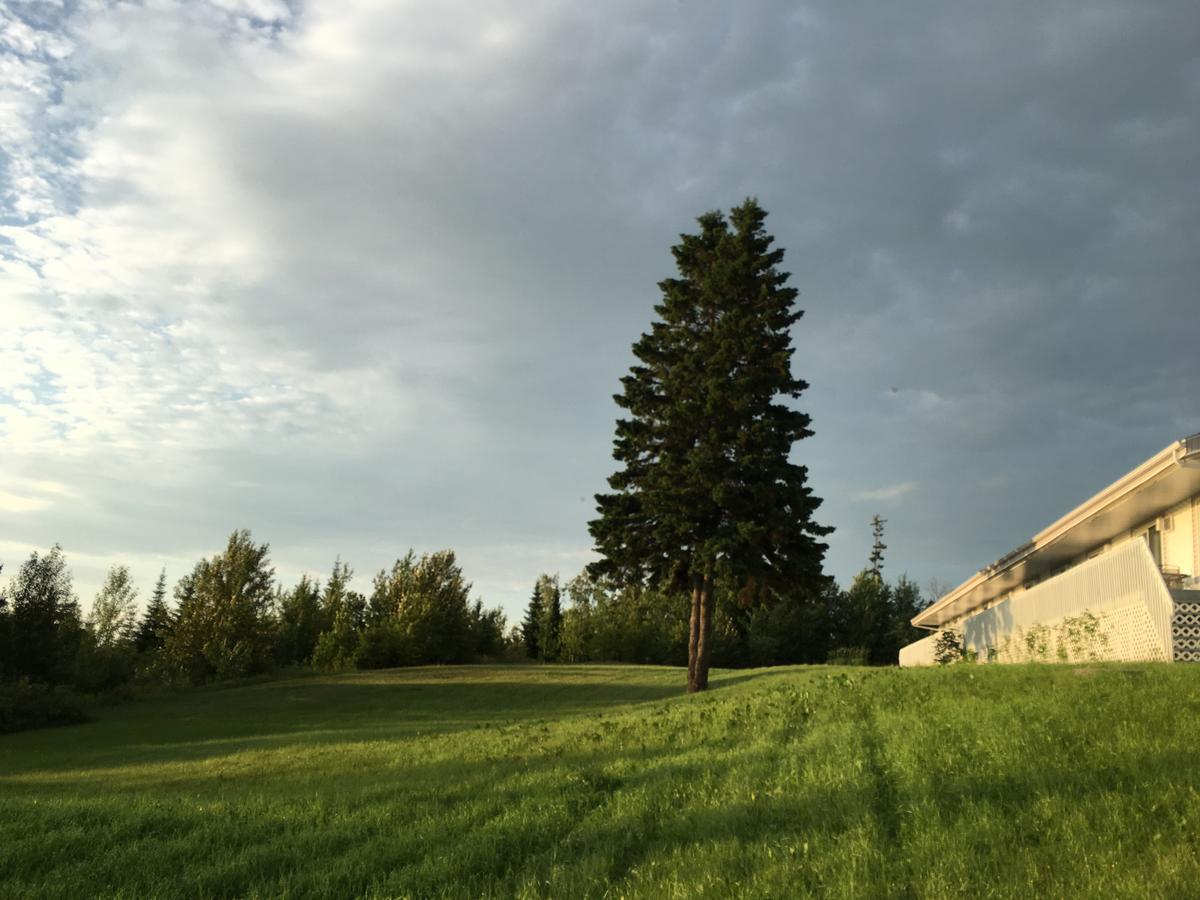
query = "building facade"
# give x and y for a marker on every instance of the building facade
(1116, 578)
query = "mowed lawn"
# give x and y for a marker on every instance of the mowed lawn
(606, 781)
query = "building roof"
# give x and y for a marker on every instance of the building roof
(1161, 482)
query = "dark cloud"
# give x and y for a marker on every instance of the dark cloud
(444, 230)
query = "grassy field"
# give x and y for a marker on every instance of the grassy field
(604, 781)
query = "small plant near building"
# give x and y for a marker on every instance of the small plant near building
(948, 648)
(1081, 638)
(1037, 643)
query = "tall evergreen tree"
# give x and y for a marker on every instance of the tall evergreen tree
(875, 560)
(550, 624)
(531, 625)
(706, 487)
(156, 620)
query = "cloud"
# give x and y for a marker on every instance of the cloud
(888, 494)
(365, 278)
(17, 503)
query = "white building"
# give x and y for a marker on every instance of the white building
(1115, 578)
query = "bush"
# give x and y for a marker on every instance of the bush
(948, 648)
(24, 706)
(385, 645)
(338, 648)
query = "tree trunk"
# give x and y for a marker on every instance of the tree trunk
(694, 633)
(705, 644)
(702, 610)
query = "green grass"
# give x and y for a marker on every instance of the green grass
(604, 781)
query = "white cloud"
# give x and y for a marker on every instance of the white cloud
(888, 494)
(16, 503)
(339, 271)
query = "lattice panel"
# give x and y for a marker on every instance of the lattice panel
(1126, 633)
(1131, 633)
(1185, 632)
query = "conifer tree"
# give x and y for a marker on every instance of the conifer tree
(531, 626)
(550, 625)
(875, 560)
(156, 621)
(706, 486)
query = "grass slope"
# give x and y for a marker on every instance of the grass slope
(599, 781)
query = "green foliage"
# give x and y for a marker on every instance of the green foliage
(1080, 638)
(487, 631)
(876, 617)
(531, 625)
(223, 629)
(549, 629)
(156, 622)
(1037, 643)
(43, 623)
(419, 614)
(302, 617)
(337, 598)
(875, 561)
(102, 668)
(338, 648)
(25, 706)
(592, 781)
(948, 648)
(114, 611)
(706, 486)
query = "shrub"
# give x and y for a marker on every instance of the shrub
(338, 648)
(1081, 638)
(24, 706)
(948, 648)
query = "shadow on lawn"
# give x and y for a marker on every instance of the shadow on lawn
(193, 726)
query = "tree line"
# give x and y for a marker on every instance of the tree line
(596, 619)
(709, 549)
(229, 618)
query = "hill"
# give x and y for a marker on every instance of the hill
(596, 781)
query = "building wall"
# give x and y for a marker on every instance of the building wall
(1123, 589)
(919, 653)
(1179, 544)
(1118, 578)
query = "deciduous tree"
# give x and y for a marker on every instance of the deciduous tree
(44, 621)
(114, 611)
(223, 628)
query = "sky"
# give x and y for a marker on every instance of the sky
(364, 276)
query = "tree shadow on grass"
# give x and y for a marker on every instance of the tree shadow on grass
(309, 712)
(489, 824)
